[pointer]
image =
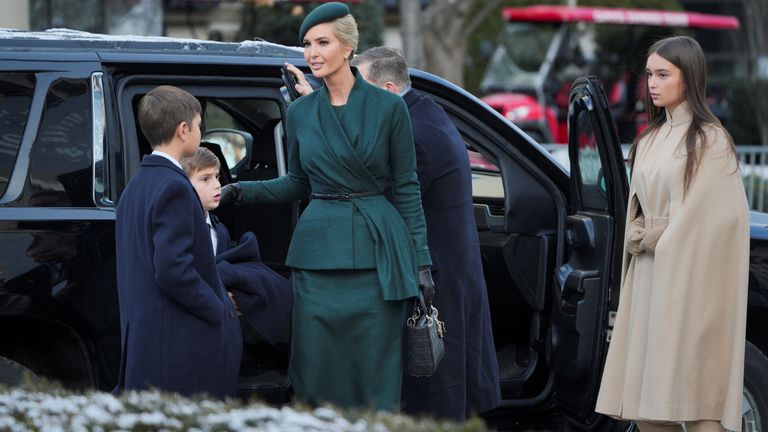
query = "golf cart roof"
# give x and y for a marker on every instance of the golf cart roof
(623, 16)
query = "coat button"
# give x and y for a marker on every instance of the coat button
(231, 314)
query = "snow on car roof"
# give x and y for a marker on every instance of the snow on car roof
(63, 38)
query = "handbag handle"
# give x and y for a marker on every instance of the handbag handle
(426, 308)
(430, 314)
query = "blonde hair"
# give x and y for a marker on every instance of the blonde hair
(345, 28)
(202, 159)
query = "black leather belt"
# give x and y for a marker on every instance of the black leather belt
(343, 196)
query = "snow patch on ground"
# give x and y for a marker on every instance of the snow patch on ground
(56, 410)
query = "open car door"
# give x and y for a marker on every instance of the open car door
(591, 268)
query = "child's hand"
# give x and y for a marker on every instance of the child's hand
(234, 302)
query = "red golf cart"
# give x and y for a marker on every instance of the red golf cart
(542, 49)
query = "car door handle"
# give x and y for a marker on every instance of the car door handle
(571, 281)
(580, 232)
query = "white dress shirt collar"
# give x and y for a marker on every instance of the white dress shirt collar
(214, 235)
(167, 156)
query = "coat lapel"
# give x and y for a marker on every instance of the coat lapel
(342, 141)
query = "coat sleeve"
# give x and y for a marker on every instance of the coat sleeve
(405, 185)
(423, 167)
(291, 187)
(172, 239)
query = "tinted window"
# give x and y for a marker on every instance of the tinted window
(590, 168)
(60, 163)
(16, 91)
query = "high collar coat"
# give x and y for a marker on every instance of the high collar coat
(353, 149)
(677, 351)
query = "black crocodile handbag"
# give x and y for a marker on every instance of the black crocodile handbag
(425, 339)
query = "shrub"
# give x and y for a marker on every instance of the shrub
(52, 409)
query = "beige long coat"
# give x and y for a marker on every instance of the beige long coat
(677, 351)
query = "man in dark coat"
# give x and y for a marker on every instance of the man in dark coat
(179, 329)
(467, 379)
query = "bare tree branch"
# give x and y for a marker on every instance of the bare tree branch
(439, 7)
(479, 17)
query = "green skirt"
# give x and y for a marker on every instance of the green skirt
(347, 345)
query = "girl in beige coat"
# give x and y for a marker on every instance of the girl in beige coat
(677, 352)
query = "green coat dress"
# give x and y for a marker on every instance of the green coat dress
(355, 262)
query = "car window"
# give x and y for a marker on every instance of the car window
(590, 181)
(16, 90)
(216, 117)
(243, 129)
(60, 171)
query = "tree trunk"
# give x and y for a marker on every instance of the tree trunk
(445, 62)
(411, 29)
(448, 24)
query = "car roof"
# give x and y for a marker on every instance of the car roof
(79, 41)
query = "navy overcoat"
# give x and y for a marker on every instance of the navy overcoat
(265, 297)
(179, 329)
(467, 380)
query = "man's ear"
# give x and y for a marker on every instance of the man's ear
(182, 130)
(392, 87)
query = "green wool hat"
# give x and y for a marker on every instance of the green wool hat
(324, 13)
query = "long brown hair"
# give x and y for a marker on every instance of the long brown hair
(686, 54)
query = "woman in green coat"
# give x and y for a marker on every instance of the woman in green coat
(356, 257)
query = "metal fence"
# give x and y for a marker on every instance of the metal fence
(753, 162)
(754, 172)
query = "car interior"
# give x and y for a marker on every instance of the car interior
(518, 234)
(517, 228)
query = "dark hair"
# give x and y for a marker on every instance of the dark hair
(202, 159)
(384, 64)
(686, 54)
(162, 110)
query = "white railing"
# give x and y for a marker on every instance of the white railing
(753, 161)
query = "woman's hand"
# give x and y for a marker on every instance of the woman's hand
(426, 284)
(231, 193)
(302, 85)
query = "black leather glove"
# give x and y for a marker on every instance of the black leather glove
(231, 193)
(426, 284)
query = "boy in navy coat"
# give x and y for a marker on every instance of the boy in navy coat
(264, 298)
(179, 328)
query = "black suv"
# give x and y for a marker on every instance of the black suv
(69, 143)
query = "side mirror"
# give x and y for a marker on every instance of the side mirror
(236, 146)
